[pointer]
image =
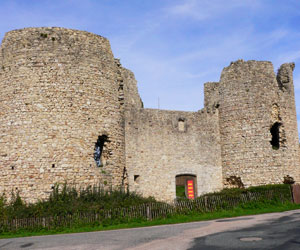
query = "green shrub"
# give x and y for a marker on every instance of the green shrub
(65, 200)
(234, 192)
(68, 207)
(2, 206)
(180, 191)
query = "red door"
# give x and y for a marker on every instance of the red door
(190, 189)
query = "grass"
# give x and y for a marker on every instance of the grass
(180, 191)
(66, 200)
(191, 217)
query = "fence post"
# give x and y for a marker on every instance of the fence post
(148, 212)
(205, 203)
(292, 193)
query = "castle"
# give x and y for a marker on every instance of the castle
(69, 112)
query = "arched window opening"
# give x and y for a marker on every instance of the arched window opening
(99, 150)
(275, 132)
(186, 186)
(136, 179)
(181, 125)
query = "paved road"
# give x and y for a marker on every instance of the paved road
(268, 231)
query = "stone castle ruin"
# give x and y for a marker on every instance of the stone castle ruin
(69, 112)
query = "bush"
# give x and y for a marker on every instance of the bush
(280, 189)
(65, 200)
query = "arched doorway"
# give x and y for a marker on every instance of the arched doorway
(186, 186)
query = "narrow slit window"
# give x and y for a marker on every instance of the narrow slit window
(181, 125)
(99, 150)
(275, 142)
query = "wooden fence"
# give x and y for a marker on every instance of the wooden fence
(148, 211)
(296, 193)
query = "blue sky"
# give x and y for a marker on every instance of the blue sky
(174, 46)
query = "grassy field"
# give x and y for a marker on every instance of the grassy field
(252, 209)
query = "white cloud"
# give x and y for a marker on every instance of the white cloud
(291, 56)
(205, 9)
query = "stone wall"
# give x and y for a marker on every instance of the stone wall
(62, 91)
(211, 95)
(288, 119)
(59, 93)
(251, 102)
(132, 98)
(161, 144)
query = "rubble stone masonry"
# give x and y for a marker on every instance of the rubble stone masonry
(251, 99)
(158, 150)
(62, 94)
(59, 92)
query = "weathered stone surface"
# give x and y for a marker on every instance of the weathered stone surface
(157, 150)
(59, 92)
(252, 100)
(61, 89)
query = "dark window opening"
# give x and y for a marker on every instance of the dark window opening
(99, 149)
(12, 167)
(136, 178)
(53, 165)
(275, 142)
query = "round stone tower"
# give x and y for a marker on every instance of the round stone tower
(258, 124)
(61, 111)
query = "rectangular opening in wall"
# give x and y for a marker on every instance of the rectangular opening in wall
(275, 132)
(181, 125)
(99, 146)
(186, 186)
(136, 178)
